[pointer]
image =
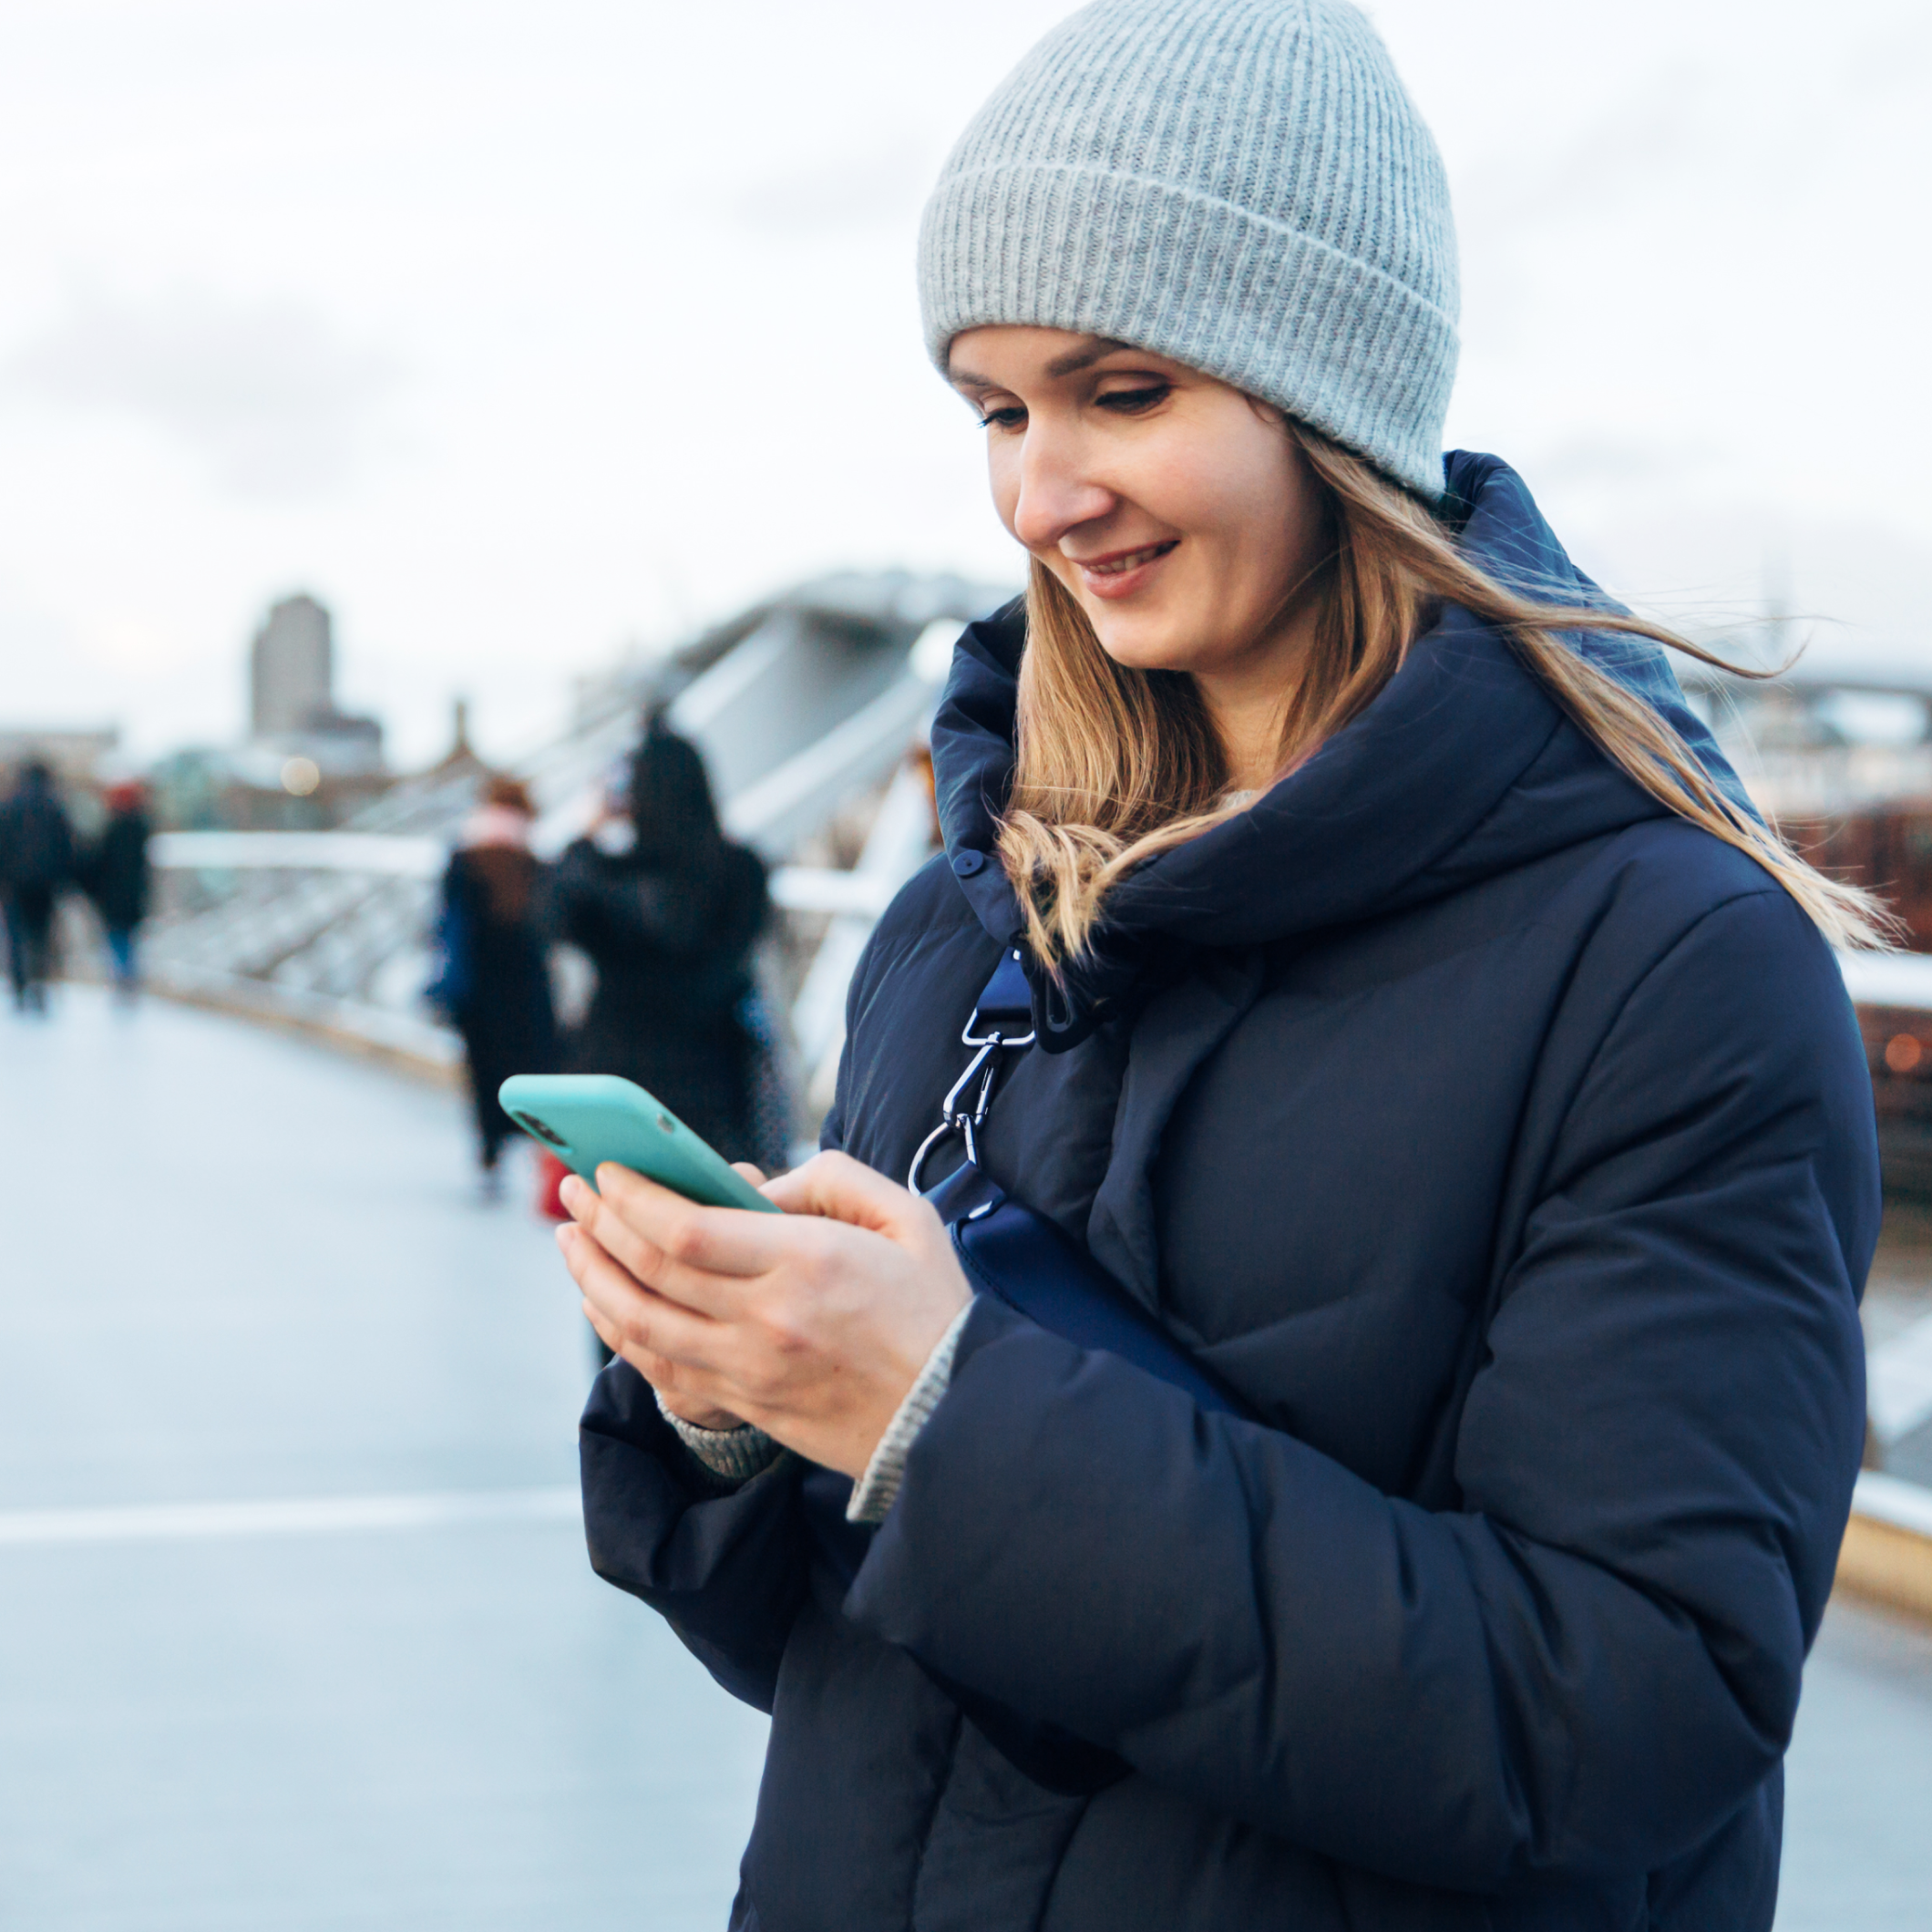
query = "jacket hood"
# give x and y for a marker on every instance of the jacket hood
(1463, 766)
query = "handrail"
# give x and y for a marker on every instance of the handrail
(378, 854)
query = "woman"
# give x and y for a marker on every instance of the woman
(495, 980)
(668, 909)
(1429, 1039)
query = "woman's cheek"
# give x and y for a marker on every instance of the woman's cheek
(1003, 471)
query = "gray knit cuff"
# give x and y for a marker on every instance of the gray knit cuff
(731, 1457)
(878, 1488)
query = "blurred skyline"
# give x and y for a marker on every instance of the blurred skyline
(517, 335)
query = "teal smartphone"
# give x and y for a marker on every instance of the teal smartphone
(585, 1119)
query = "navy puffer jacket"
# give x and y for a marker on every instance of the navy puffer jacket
(1507, 1143)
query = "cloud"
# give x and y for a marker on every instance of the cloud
(851, 190)
(1649, 136)
(267, 394)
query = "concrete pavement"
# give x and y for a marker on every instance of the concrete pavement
(237, 1271)
(1858, 1788)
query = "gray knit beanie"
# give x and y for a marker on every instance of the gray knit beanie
(1240, 185)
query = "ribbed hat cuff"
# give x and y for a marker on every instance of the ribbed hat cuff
(1338, 345)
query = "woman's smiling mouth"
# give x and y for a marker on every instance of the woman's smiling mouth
(1123, 571)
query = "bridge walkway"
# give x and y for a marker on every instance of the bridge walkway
(366, 1678)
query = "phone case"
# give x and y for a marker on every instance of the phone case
(585, 1119)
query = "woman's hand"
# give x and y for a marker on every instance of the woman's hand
(813, 1324)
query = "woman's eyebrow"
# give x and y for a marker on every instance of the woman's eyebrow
(1095, 349)
(1092, 350)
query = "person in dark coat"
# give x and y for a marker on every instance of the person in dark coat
(668, 908)
(118, 878)
(37, 860)
(1420, 1033)
(495, 982)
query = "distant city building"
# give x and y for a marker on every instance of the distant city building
(292, 698)
(292, 667)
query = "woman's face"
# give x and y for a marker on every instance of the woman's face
(1177, 509)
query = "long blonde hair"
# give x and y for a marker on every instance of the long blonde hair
(1114, 765)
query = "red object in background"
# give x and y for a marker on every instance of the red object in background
(550, 1174)
(1898, 1050)
(1887, 847)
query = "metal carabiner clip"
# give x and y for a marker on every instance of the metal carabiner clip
(955, 1119)
(952, 1119)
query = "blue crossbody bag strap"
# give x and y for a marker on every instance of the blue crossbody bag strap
(1019, 1256)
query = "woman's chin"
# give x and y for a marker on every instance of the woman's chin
(1145, 643)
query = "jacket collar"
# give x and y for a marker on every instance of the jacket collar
(1463, 766)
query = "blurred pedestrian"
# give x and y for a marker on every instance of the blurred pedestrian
(667, 909)
(116, 876)
(37, 860)
(493, 981)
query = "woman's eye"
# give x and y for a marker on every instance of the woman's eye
(1136, 401)
(1013, 417)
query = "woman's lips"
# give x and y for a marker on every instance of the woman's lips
(1123, 572)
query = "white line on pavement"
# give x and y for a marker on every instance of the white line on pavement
(301, 1515)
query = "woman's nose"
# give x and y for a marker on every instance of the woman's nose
(1057, 491)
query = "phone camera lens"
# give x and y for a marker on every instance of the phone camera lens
(542, 1130)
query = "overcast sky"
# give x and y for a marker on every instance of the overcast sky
(515, 333)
